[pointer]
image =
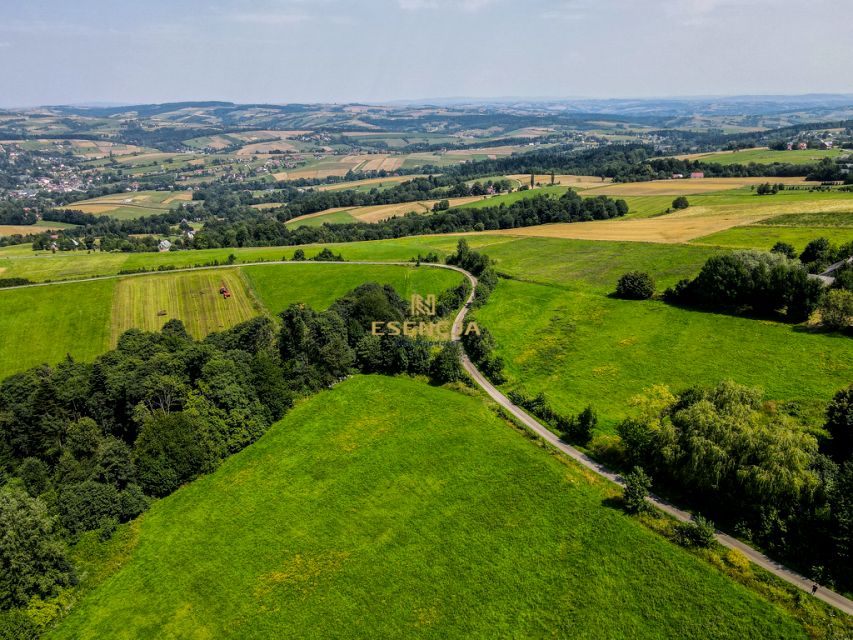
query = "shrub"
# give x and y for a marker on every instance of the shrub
(299, 255)
(698, 533)
(836, 309)
(446, 366)
(608, 449)
(637, 485)
(680, 203)
(785, 249)
(635, 285)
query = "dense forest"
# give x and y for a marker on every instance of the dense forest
(87, 446)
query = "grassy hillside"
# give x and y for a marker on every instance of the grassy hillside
(386, 508)
(582, 347)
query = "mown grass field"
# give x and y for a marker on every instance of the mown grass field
(148, 302)
(126, 206)
(764, 237)
(768, 156)
(43, 324)
(277, 287)
(361, 515)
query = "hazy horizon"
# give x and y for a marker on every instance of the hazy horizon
(387, 51)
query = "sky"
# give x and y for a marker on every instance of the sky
(280, 51)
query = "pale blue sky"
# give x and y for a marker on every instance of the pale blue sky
(74, 51)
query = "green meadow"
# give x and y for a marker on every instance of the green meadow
(361, 515)
(335, 217)
(582, 347)
(769, 156)
(44, 324)
(764, 236)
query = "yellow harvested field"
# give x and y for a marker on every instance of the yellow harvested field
(181, 196)
(684, 187)
(22, 229)
(382, 212)
(95, 208)
(340, 186)
(266, 147)
(148, 302)
(681, 226)
(266, 134)
(377, 163)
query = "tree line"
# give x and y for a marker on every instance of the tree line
(751, 466)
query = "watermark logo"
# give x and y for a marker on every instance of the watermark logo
(421, 306)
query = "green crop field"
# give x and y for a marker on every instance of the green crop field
(768, 156)
(83, 319)
(811, 220)
(361, 515)
(763, 237)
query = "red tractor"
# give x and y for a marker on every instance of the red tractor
(224, 291)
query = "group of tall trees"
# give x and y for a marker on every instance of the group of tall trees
(725, 452)
(763, 282)
(86, 446)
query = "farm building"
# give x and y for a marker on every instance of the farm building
(164, 246)
(802, 146)
(697, 174)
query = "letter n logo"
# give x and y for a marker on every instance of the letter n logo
(423, 306)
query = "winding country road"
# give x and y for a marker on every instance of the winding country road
(830, 597)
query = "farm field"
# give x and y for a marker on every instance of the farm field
(126, 206)
(708, 214)
(684, 187)
(320, 285)
(340, 215)
(27, 229)
(44, 324)
(148, 302)
(375, 213)
(85, 319)
(564, 180)
(368, 183)
(764, 237)
(767, 156)
(366, 493)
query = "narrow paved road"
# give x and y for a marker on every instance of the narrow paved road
(830, 597)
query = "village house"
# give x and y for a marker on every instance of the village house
(697, 174)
